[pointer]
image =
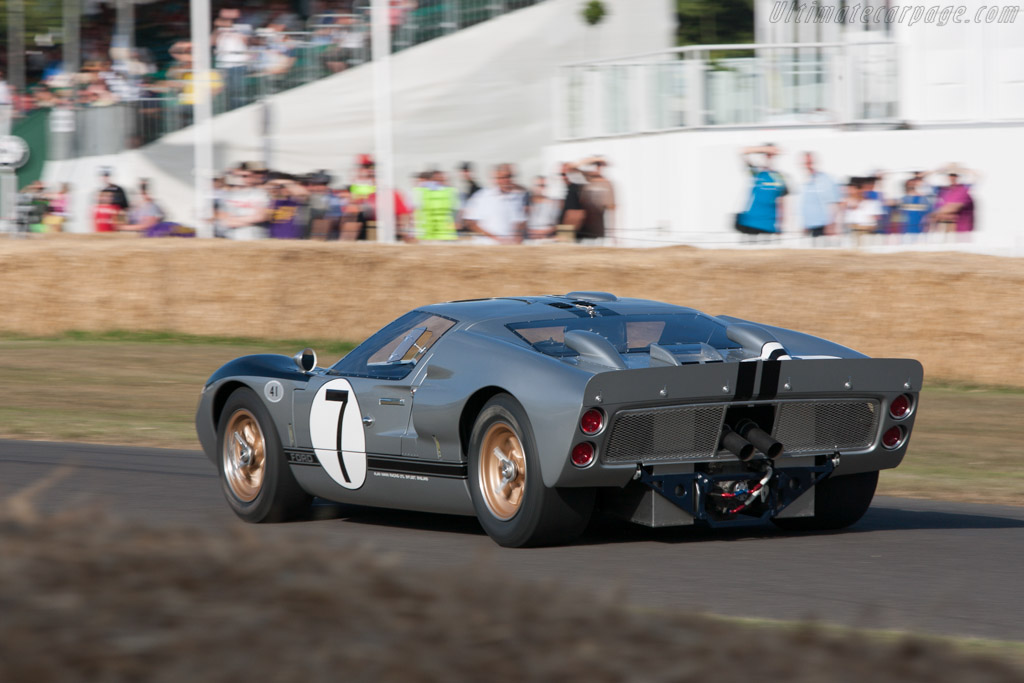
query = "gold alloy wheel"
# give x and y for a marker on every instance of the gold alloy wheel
(245, 455)
(502, 471)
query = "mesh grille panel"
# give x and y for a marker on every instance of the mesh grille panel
(804, 427)
(665, 434)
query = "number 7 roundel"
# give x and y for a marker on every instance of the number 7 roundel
(336, 428)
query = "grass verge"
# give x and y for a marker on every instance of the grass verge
(141, 389)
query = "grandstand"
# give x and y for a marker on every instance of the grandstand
(875, 92)
(482, 93)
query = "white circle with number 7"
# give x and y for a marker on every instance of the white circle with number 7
(336, 428)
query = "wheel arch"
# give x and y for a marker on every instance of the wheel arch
(471, 409)
(220, 399)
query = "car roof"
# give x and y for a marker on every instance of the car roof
(555, 306)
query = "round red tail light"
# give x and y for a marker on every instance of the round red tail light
(893, 437)
(592, 422)
(900, 407)
(583, 454)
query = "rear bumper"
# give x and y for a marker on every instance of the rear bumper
(675, 416)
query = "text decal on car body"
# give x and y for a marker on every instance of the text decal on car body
(337, 433)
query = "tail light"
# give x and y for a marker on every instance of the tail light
(893, 437)
(583, 454)
(592, 422)
(900, 407)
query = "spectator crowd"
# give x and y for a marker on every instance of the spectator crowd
(253, 202)
(938, 201)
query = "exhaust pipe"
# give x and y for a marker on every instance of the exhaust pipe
(764, 442)
(737, 445)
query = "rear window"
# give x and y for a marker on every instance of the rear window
(627, 333)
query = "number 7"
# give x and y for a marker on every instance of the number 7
(342, 397)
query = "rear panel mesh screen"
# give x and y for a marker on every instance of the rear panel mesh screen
(805, 427)
(665, 434)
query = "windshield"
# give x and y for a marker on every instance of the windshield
(691, 337)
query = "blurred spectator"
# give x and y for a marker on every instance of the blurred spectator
(348, 43)
(469, 185)
(57, 208)
(598, 199)
(861, 214)
(231, 47)
(106, 215)
(145, 213)
(764, 212)
(119, 198)
(285, 218)
(497, 213)
(435, 205)
(912, 211)
(543, 210)
(572, 213)
(819, 201)
(6, 106)
(324, 209)
(954, 208)
(243, 206)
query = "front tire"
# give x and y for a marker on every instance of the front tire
(512, 503)
(838, 503)
(254, 473)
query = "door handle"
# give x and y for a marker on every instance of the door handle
(392, 401)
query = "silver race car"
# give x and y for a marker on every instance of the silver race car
(530, 412)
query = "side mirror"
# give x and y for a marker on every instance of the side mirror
(305, 359)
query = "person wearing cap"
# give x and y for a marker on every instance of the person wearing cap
(764, 211)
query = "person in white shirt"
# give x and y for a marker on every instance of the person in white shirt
(498, 214)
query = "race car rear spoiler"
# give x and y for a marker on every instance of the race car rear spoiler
(756, 380)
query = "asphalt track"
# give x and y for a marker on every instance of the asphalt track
(925, 566)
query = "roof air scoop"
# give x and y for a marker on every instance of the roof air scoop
(594, 348)
(592, 296)
(757, 340)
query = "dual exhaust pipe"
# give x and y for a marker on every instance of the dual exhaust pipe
(746, 437)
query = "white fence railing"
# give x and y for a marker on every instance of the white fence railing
(729, 85)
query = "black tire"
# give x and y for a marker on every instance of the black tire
(543, 516)
(277, 497)
(838, 503)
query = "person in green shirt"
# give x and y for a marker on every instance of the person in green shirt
(436, 203)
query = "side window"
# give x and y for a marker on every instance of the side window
(393, 352)
(409, 345)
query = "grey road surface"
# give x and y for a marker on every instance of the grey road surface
(927, 566)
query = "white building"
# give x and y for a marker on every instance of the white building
(874, 86)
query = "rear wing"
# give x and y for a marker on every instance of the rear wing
(756, 380)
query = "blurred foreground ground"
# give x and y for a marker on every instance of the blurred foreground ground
(958, 314)
(85, 597)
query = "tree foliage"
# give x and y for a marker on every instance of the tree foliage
(593, 12)
(708, 22)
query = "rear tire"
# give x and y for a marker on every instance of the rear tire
(254, 472)
(512, 503)
(838, 503)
